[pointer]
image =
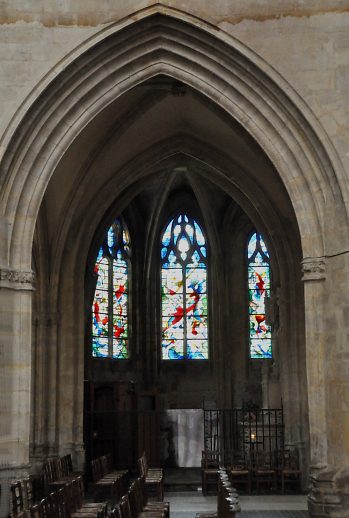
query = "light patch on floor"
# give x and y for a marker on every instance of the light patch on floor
(186, 504)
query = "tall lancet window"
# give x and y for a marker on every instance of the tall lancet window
(258, 290)
(184, 290)
(110, 304)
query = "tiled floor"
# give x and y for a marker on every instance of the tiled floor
(187, 504)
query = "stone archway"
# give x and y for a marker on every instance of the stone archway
(165, 41)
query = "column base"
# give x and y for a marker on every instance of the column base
(329, 493)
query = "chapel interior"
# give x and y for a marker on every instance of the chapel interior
(183, 155)
(174, 259)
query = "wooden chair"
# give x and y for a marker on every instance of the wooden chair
(264, 470)
(17, 497)
(151, 506)
(291, 474)
(125, 508)
(75, 499)
(36, 511)
(105, 487)
(28, 493)
(136, 507)
(210, 463)
(239, 469)
(154, 479)
(115, 512)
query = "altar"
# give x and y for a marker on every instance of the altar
(185, 436)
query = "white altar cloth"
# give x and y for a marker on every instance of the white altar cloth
(188, 436)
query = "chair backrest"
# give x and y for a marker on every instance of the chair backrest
(290, 460)
(104, 466)
(141, 467)
(36, 511)
(78, 491)
(211, 459)
(57, 504)
(264, 459)
(145, 462)
(125, 507)
(142, 491)
(17, 497)
(116, 512)
(110, 462)
(135, 503)
(28, 494)
(68, 463)
(96, 470)
(238, 460)
(69, 498)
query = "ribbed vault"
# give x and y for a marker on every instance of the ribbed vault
(163, 41)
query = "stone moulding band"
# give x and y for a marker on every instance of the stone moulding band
(17, 279)
(313, 269)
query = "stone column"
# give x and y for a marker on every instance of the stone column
(329, 486)
(314, 293)
(322, 499)
(15, 374)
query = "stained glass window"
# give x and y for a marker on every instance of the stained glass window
(184, 291)
(258, 290)
(110, 304)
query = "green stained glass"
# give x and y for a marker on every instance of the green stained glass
(259, 289)
(184, 290)
(110, 304)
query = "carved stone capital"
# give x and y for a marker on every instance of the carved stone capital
(17, 279)
(314, 269)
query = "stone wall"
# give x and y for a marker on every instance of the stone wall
(278, 69)
(306, 43)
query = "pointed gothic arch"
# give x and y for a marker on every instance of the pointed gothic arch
(169, 42)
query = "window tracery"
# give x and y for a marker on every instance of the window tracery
(258, 291)
(110, 330)
(184, 291)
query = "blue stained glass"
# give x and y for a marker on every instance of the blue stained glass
(110, 304)
(111, 239)
(172, 259)
(199, 235)
(176, 232)
(264, 248)
(252, 245)
(184, 298)
(100, 347)
(258, 289)
(195, 258)
(166, 238)
(197, 349)
(190, 231)
(120, 349)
